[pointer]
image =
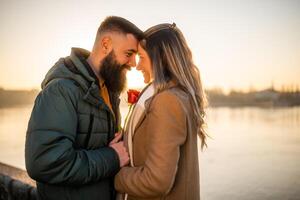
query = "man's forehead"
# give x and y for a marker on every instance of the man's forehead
(128, 42)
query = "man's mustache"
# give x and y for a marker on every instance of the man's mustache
(126, 67)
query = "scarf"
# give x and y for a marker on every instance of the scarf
(135, 115)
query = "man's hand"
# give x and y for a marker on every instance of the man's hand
(119, 147)
(118, 137)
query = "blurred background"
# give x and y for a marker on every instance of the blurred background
(248, 52)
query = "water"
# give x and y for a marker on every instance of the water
(13, 125)
(253, 153)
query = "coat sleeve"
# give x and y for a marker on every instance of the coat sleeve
(167, 121)
(49, 150)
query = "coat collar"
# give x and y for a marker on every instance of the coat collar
(170, 84)
(79, 58)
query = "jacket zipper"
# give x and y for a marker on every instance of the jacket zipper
(87, 139)
(109, 126)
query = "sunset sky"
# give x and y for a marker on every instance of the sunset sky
(236, 44)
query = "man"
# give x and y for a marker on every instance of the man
(71, 149)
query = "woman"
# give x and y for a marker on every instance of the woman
(162, 130)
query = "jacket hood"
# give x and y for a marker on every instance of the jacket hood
(77, 72)
(76, 68)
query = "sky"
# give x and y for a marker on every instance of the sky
(238, 44)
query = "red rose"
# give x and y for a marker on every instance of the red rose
(133, 96)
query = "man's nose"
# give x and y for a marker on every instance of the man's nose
(132, 62)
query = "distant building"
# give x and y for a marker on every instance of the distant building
(268, 94)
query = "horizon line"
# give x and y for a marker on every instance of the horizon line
(287, 87)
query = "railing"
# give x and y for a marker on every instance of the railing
(15, 184)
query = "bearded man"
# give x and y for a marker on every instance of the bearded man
(69, 149)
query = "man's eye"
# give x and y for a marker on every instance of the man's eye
(128, 54)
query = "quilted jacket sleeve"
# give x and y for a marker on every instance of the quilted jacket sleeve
(49, 151)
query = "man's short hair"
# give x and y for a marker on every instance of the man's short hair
(120, 25)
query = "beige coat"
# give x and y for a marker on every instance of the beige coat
(164, 150)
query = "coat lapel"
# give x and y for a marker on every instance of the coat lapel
(147, 105)
(142, 118)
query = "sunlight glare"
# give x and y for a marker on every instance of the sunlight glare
(135, 79)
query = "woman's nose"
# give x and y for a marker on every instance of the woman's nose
(139, 67)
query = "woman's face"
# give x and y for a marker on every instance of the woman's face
(144, 64)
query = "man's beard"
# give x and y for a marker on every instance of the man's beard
(113, 73)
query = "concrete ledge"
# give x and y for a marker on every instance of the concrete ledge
(16, 184)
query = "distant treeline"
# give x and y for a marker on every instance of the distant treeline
(263, 98)
(9, 98)
(216, 98)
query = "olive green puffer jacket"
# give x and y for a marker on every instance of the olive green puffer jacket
(68, 134)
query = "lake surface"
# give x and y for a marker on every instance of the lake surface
(253, 153)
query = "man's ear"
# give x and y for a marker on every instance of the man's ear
(106, 44)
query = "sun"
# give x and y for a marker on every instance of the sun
(135, 79)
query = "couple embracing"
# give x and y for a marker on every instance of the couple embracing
(74, 146)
